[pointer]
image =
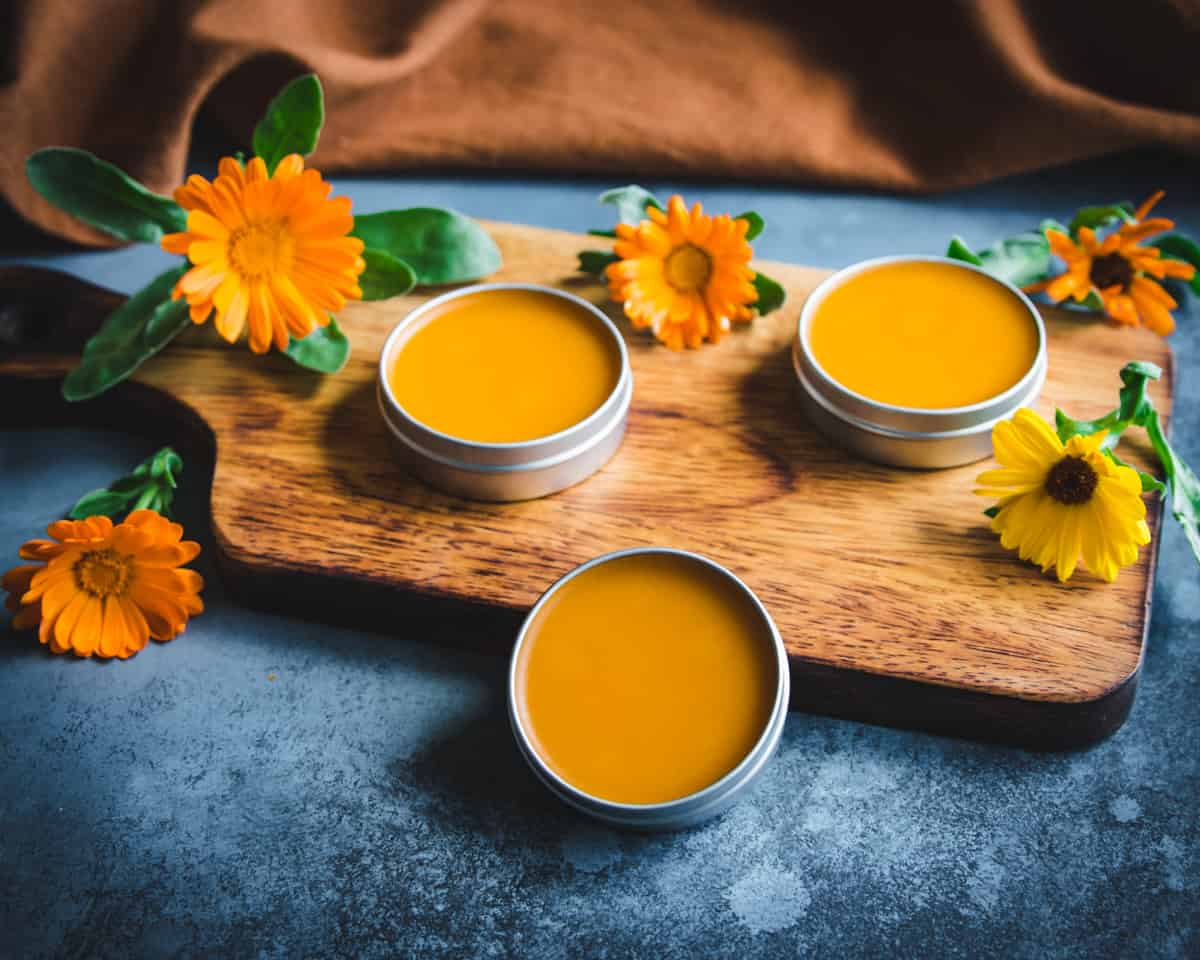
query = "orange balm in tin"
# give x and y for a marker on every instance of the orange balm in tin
(648, 687)
(505, 366)
(911, 360)
(505, 391)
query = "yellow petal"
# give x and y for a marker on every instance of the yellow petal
(1069, 543)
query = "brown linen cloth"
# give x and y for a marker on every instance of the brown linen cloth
(894, 93)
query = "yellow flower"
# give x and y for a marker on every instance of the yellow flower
(684, 275)
(95, 588)
(1059, 502)
(270, 250)
(1119, 270)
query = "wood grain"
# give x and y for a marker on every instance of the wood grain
(896, 602)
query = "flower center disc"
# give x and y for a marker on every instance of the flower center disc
(260, 248)
(687, 268)
(102, 573)
(1112, 269)
(1071, 481)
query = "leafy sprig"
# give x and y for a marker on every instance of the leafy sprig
(404, 248)
(150, 486)
(632, 202)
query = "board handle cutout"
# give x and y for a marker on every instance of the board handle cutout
(47, 311)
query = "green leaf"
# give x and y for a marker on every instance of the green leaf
(756, 223)
(1135, 405)
(1066, 428)
(631, 202)
(101, 503)
(770, 294)
(325, 350)
(1184, 487)
(1054, 225)
(292, 122)
(103, 196)
(958, 250)
(164, 465)
(130, 483)
(603, 233)
(440, 245)
(594, 261)
(992, 511)
(1100, 216)
(150, 486)
(1021, 260)
(1178, 247)
(167, 321)
(1150, 483)
(1092, 301)
(134, 332)
(385, 276)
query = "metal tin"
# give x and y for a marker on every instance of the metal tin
(687, 811)
(907, 436)
(504, 471)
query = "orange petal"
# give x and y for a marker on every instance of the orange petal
(1062, 245)
(205, 225)
(1151, 312)
(137, 631)
(1120, 307)
(176, 243)
(17, 579)
(40, 550)
(112, 638)
(229, 167)
(58, 595)
(232, 321)
(1148, 204)
(1140, 231)
(290, 166)
(1061, 287)
(1148, 288)
(64, 625)
(27, 617)
(256, 170)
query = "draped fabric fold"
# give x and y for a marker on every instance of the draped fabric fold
(913, 96)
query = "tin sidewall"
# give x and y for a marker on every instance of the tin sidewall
(897, 448)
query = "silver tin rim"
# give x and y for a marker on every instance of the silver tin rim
(511, 470)
(695, 807)
(882, 417)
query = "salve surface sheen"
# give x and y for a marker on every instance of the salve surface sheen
(506, 366)
(925, 335)
(646, 678)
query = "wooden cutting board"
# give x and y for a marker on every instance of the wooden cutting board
(896, 602)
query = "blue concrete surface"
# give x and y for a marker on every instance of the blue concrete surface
(263, 787)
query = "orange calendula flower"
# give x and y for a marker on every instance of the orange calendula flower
(270, 251)
(1119, 270)
(684, 275)
(96, 588)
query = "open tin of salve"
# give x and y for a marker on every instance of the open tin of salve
(911, 360)
(505, 391)
(648, 688)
